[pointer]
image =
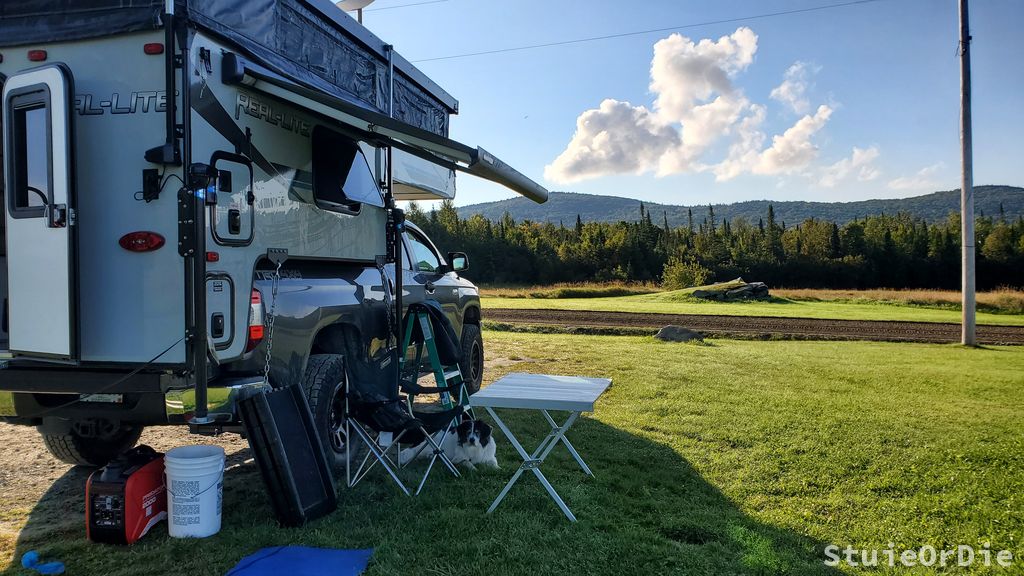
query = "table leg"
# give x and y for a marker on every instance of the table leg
(569, 446)
(533, 461)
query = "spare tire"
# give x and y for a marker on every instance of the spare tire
(76, 449)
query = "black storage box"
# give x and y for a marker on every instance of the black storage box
(290, 455)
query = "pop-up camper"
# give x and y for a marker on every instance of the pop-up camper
(160, 160)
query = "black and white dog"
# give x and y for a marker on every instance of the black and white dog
(471, 445)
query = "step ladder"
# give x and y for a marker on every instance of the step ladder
(445, 376)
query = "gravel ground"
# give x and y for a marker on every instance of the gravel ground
(34, 482)
(761, 326)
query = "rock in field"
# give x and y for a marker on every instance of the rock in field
(672, 333)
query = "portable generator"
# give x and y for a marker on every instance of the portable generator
(126, 498)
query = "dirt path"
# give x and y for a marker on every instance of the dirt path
(762, 326)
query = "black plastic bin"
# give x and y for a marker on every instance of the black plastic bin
(291, 457)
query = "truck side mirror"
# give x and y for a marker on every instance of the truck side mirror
(458, 261)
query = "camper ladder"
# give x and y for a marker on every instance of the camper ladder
(447, 377)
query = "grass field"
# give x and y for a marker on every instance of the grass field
(823, 305)
(738, 457)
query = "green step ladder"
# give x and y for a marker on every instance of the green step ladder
(446, 376)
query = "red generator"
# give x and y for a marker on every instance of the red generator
(126, 498)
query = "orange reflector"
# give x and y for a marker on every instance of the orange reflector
(213, 257)
(37, 55)
(141, 241)
(153, 48)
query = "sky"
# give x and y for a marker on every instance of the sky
(840, 104)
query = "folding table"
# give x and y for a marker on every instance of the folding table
(542, 393)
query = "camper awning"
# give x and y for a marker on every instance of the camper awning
(376, 127)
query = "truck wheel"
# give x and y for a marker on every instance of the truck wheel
(74, 448)
(324, 384)
(472, 365)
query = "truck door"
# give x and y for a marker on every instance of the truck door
(39, 219)
(428, 280)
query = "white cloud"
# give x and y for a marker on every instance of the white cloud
(922, 180)
(745, 150)
(793, 90)
(693, 87)
(696, 106)
(616, 138)
(684, 73)
(790, 152)
(860, 164)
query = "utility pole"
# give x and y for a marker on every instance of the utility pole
(967, 336)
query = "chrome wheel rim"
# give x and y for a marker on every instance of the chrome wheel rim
(336, 420)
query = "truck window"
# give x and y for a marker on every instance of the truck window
(423, 257)
(30, 161)
(342, 179)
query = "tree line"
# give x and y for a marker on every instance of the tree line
(880, 251)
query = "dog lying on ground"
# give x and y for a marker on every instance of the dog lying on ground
(471, 445)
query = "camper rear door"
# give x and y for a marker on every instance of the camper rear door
(40, 212)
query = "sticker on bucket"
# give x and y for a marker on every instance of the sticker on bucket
(195, 485)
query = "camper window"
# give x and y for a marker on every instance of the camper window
(342, 179)
(29, 133)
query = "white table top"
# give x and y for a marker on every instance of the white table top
(542, 392)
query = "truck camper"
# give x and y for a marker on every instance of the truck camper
(199, 196)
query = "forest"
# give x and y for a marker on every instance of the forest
(881, 251)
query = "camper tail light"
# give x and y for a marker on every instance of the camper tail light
(36, 55)
(255, 321)
(153, 48)
(141, 241)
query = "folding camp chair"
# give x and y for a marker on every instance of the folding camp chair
(375, 417)
(383, 424)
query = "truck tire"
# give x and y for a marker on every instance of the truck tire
(324, 385)
(472, 365)
(97, 451)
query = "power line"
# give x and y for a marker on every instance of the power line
(404, 5)
(642, 32)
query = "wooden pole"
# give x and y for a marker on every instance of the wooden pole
(967, 337)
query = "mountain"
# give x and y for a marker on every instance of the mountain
(564, 206)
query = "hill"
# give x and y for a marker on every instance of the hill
(564, 206)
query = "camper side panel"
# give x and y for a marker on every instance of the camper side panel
(279, 146)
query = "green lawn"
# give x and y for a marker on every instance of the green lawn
(738, 457)
(672, 303)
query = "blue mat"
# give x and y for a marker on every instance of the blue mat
(302, 561)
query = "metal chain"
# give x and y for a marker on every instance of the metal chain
(386, 286)
(275, 280)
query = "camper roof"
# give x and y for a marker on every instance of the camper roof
(309, 41)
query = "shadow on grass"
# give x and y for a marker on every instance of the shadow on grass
(647, 511)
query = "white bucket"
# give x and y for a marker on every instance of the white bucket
(195, 483)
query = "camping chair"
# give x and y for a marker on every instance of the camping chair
(383, 421)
